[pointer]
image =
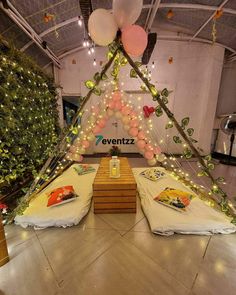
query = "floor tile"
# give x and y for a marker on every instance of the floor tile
(27, 272)
(124, 270)
(218, 271)
(124, 221)
(180, 255)
(70, 250)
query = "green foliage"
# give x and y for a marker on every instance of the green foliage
(184, 122)
(89, 84)
(190, 131)
(169, 125)
(133, 74)
(158, 111)
(28, 118)
(177, 139)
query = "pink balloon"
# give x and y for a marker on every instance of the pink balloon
(133, 114)
(141, 135)
(134, 123)
(149, 147)
(118, 105)
(126, 110)
(116, 96)
(97, 129)
(134, 40)
(157, 150)
(102, 123)
(111, 105)
(148, 155)
(141, 144)
(85, 144)
(133, 131)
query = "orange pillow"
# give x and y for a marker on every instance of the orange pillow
(61, 195)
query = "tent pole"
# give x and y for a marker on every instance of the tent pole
(172, 118)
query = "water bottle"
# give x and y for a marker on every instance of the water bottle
(114, 167)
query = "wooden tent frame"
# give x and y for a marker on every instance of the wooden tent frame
(39, 184)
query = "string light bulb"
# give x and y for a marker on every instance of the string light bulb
(153, 65)
(94, 62)
(80, 21)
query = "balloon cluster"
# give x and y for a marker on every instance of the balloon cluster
(103, 26)
(115, 105)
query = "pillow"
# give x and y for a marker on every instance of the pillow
(84, 169)
(153, 174)
(61, 195)
(175, 199)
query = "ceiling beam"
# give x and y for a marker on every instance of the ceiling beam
(151, 15)
(18, 19)
(209, 19)
(53, 28)
(195, 6)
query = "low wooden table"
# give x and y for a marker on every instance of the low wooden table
(114, 195)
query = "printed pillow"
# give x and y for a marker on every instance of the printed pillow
(61, 195)
(84, 169)
(174, 198)
(153, 174)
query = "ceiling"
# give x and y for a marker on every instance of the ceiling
(63, 34)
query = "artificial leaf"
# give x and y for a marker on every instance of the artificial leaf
(96, 76)
(155, 98)
(184, 122)
(202, 173)
(158, 111)
(211, 166)
(169, 125)
(97, 91)
(138, 64)
(220, 179)
(164, 99)
(89, 84)
(165, 92)
(190, 131)
(109, 55)
(114, 72)
(123, 61)
(104, 77)
(133, 74)
(143, 88)
(188, 153)
(177, 139)
(208, 158)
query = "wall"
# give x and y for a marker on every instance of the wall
(194, 76)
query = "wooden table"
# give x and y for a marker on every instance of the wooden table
(114, 195)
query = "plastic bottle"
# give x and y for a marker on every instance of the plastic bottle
(114, 167)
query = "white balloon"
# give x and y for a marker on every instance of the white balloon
(118, 115)
(161, 158)
(102, 27)
(126, 127)
(126, 120)
(152, 162)
(126, 12)
(110, 113)
(91, 137)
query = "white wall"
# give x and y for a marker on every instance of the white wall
(194, 76)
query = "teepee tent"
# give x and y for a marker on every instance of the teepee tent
(112, 101)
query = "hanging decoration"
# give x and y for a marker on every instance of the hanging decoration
(170, 14)
(134, 39)
(48, 17)
(170, 60)
(102, 27)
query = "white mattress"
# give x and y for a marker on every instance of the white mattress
(41, 216)
(199, 218)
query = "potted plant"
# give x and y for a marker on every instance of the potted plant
(114, 151)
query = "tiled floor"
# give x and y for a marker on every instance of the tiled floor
(117, 254)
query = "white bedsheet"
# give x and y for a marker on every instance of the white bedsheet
(199, 218)
(41, 216)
